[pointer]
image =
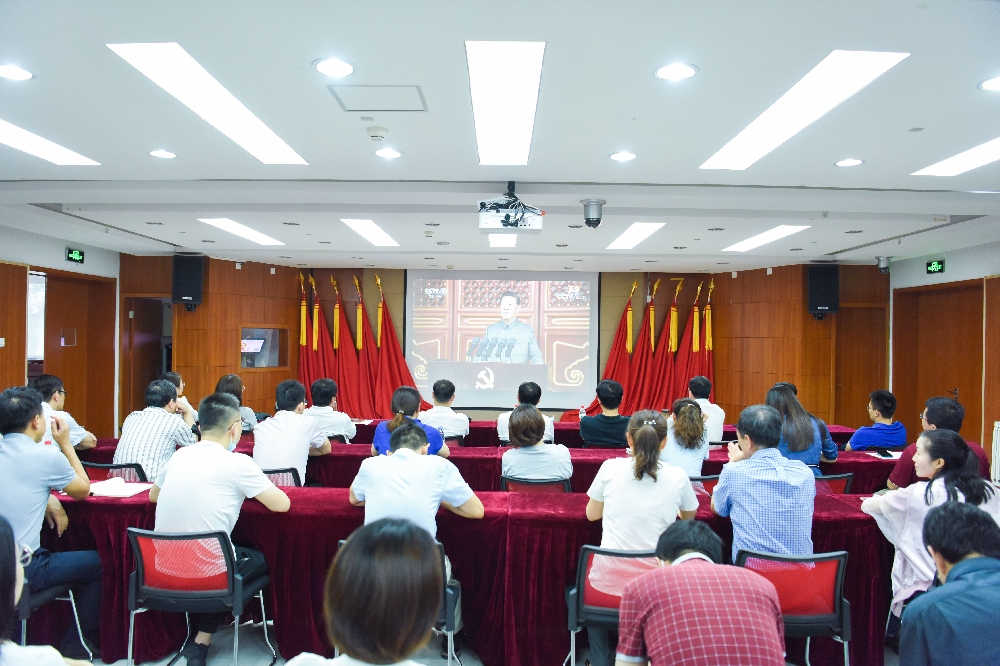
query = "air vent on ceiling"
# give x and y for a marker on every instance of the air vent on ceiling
(379, 98)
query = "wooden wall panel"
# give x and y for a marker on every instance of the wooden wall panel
(146, 275)
(13, 324)
(66, 310)
(862, 342)
(991, 367)
(101, 358)
(904, 360)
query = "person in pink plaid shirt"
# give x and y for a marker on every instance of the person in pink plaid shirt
(695, 611)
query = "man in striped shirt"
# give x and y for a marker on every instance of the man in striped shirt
(151, 436)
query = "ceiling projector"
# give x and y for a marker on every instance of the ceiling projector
(508, 214)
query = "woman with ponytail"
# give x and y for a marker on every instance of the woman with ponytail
(687, 437)
(637, 497)
(406, 408)
(952, 468)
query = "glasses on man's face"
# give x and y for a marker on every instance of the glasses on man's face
(923, 416)
(24, 555)
(63, 391)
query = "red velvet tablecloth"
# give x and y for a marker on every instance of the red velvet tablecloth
(870, 472)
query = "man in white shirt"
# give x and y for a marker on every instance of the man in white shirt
(528, 393)
(290, 437)
(324, 410)
(441, 415)
(202, 488)
(151, 436)
(53, 401)
(700, 388)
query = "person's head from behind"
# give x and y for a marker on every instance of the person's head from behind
(529, 393)
(11, 580)
(527, 427)
(944, 455)
(881, 405)
(52, 389)
(609, 393)
(233, 385)
(290, 396)
(510, 303)
(646, 435)
(21, 412)
(219, 418)
(688, 536)
(175, 379)
(444, 392)
(956, 531)
(942, 414)
(163, 394)
(699, 387)
(405, 404)
(797, 425)
(409, 436)
(689, 426)
(383, 592)
(759, 427)
(324, 392)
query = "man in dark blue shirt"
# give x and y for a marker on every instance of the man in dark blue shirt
(956, 623)
(883, 432)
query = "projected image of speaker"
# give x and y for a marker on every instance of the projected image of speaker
(189, 271)
(824, 290)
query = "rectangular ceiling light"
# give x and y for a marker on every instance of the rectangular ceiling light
(768, 236)
(504, 78)
(25, 141)
(834, 80)
(503, 240)
(973, 158)
(638, 232)
(173, 69)
(371, 232)
(240, 230)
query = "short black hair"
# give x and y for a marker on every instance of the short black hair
(700, 387)
(512, 294)
(762, 424)
(19, 405)
(883, 402)
(172, 377)
(529, 393)
(160, 392)
(944, 413)
(609, 393)
(685, 536)
(288, 395)
(218, 411)
(407, 436)
(323, 392)
(47, 385)
(444, 390)
(956, 529)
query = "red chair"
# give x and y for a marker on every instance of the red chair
(708, 482)
(592, 607)
(190, 573)
(288, 476)
(516, 485)
(811, 593)
(834, 484)
(129, 472)
(456, 440)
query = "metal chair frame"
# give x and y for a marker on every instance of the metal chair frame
(456, 440)
(296, 481)
(44, 597)
(565, 483)
(592, 445)
(834, 477)
(135, 467)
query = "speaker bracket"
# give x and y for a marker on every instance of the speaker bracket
(191, 307)
(818, 316)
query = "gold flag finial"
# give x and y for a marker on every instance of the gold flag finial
(634, 286)
(680, 283)
(378, 283)
(711, 287)
(357, 285)
(334, 283)
(302, 283)
(656, 285)
(312, 282)
(698, 294)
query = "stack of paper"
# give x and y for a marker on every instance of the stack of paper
(116, 487)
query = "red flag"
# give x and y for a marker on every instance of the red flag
(305, 361)
(661, 395)
(640, 368)
(324, 360)
(367, 360)
(687, 363)
(345, 361)
(392, 369)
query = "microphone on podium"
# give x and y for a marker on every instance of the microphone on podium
(489, 348)
(510, 346)
(472, 348)
(500, 346)
(482, 347)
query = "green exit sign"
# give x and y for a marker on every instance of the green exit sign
(936, 266)
(76, 256)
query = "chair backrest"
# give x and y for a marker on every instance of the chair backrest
(456, 440)
(834, 484)
(516, 485)
(128, 472)
(182, 565)
(707, 482)
(592, 445)
(288, 476)
(601, 575)
(810, 587)
(723, 443)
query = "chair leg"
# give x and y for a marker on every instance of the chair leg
(808, 638)
(263, 614)
(571, 657)
(236, 642)
(24, 632)
(131, 636)
(847, 654)
(79, 630)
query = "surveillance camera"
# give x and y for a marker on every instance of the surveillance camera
(883, 264)
(592, 212)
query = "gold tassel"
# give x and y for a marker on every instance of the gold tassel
(628, 318)
(673, 318)
(708, 316)
(316, 315)
(652, 317)
(358, 341)
(336, 315)
(302, 313)
(696, 326)
(381, 304)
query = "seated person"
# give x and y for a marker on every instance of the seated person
(606, 428)
(531, 458)
(693, 610)
(803, 436)
(951, 623)
(687, 437)
(768, 497)
(324, 410)
(290, 437)
(233, 385)
(382, 595)
(406, 407)
(700, 388)
(939, 413)
(528, 393)
(183, 406)
(151, 436)
(441, 415)
(884, 432)
(28, 472)
(202, 488)
(54, 403)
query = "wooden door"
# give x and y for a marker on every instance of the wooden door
(862, 361)
(66, 340)
(142, 348)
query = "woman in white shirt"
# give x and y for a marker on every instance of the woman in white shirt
(233, 385)
(638, 498)
(687, 437)
(382, 595)
(531, 458)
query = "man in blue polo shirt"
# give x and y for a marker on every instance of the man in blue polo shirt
(884, 432)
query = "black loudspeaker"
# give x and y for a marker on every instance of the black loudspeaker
(188, 273)
(824, 290)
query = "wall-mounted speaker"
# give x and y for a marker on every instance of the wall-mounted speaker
(189, 271)
(824, 290)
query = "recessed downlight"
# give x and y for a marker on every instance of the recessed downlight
(443, 243)
(14, 73)
(992, 85)
(677, 71)
(162, 154)
(849, 162)
(622, 156)
(335, 68)
(388, 153)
